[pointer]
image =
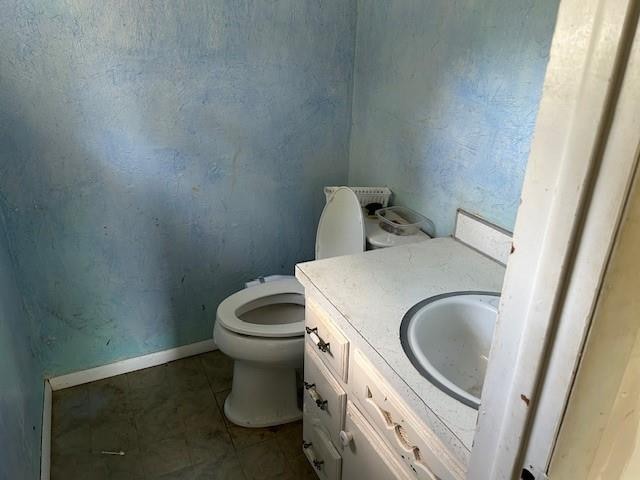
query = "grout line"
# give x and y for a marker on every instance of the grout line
(218, 406)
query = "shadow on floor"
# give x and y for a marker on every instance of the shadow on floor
(168, 421)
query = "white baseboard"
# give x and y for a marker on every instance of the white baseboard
(45, 448)
(131, 365)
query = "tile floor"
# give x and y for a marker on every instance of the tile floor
(168, 421)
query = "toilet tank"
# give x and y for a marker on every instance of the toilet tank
(377, 237)
(374, 235)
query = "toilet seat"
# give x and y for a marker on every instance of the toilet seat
(287, 290)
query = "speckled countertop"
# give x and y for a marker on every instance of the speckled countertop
(372, 291)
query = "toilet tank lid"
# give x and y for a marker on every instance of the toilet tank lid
(377, 237)
(341, 229)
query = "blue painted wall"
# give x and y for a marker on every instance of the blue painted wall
(445, 100)
(20, 379)
(154, 155)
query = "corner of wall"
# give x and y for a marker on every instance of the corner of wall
(45, 448)
(352, 93)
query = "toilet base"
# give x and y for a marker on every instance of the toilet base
(262, 395)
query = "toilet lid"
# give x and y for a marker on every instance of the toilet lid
(287, 291)
(341, 229)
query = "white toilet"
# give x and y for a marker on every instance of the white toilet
(262, 326)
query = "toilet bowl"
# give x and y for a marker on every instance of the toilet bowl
(262, 327)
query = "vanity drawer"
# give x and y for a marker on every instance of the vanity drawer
(414, 444)
(324, 398)
(326, 340)
(322, 455)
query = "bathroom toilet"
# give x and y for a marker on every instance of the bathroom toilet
(262, 327)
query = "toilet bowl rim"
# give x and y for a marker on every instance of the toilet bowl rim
(227, 317)
(258, 337)
(261, 350)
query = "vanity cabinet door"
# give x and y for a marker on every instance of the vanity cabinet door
(412, 443)
(364, 454)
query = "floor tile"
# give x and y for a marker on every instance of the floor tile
(289, 438)
(187, 374)
(148, 377)
(126, 467)
(108, 396)
(72, 467)
(300, 468)
(219, 370)
(76, 439)
(244, 437)
(165, 456)
(70, 409)
(143, 399)
(227, 468)
(113, 435)
(204, 422)
(168, 421)
(197, 402)
(158, 422)
(264, 461)
(70, 398)
(208, 444)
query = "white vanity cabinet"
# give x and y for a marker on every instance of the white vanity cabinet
(364, 454)
(355, 426)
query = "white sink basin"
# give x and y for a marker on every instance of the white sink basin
(448, 337)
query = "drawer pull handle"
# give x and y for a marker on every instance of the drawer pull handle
(418, 459)
(319, 342)
(403, 441)
(400, 435)
(317, 464)
(315, 396)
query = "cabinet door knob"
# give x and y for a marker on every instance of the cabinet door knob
(346, 438)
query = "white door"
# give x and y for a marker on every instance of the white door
(582, 159)
(600, 433)
(365, 455)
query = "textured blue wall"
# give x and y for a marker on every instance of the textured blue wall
(20, 379)
(445, 100)
(156, 154)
